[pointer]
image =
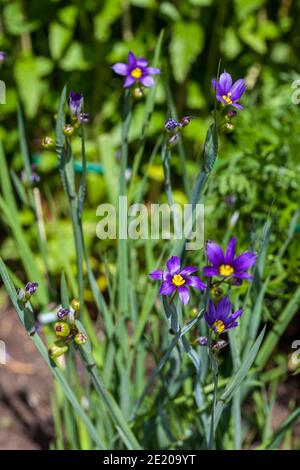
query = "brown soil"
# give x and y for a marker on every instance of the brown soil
(25, 390)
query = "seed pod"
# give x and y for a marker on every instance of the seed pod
(47, 142)
(68, 130)
(75, 304)
(62, 329)
(58, 348)
(80, 338)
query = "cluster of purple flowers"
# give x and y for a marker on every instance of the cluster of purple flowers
(229, 268)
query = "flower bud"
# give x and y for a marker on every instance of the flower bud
(47, 142)
(80, 338)
(171, 125)
(30, 289)
(84, 118)
(202, 340)
(194, 312)
(62, 329)
(138, 93)
(68, 130)
(75, 304)
(185, 121)
(219, 345)
(229, 127)
(216, 293)
(173, 141)
(231, 113)
(62, 313)
(58, 348)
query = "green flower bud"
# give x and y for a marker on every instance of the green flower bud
(48, 142)
(138, 93)
(68, 130)
(80, 338)
(75, 304)
(58, 348)
(62, 329)
(216, 293)
(229, 127)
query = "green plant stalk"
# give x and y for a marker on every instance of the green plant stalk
(215, 371)
(122, 242)
(166, 157)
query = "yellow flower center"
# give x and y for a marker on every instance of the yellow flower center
(227, 98)
(136, 73)
(219, 326)
(178, 280)
(226, 270)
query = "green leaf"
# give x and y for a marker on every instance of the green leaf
(109, 13)
(185, 47)
(59, 37)
(74, 58)
(236, 381)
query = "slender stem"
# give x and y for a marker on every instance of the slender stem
(166, 157)
(122, 242)
(215, 371)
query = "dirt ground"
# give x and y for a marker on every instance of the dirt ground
(25, 389)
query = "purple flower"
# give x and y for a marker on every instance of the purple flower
(228, 93)
(62, 313)
(136, 70)
(171, 125)
(2, 56)
(75, 103)
(177, 279)
(226, 265)
(84, 118)
(219, 316)
(31, 288)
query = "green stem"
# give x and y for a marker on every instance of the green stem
(122, 242)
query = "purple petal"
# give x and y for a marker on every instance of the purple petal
(167, 288)
(147, 81)
(238, 89)
(230, 251)
(131, 59)
(184, 294)
(225, 83)
(242, 275)
(158, 274)
(141, 62)
(244, 261)
(231, 325)
(214, 84)
(120, 68)
(223, 308)
(129, 80)
(236, 314)
(211, 315)
(238, 106)
(173, 265)
(214, 253)
(196, 282)
(210, 272)
(153, 70)
(188, 270)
